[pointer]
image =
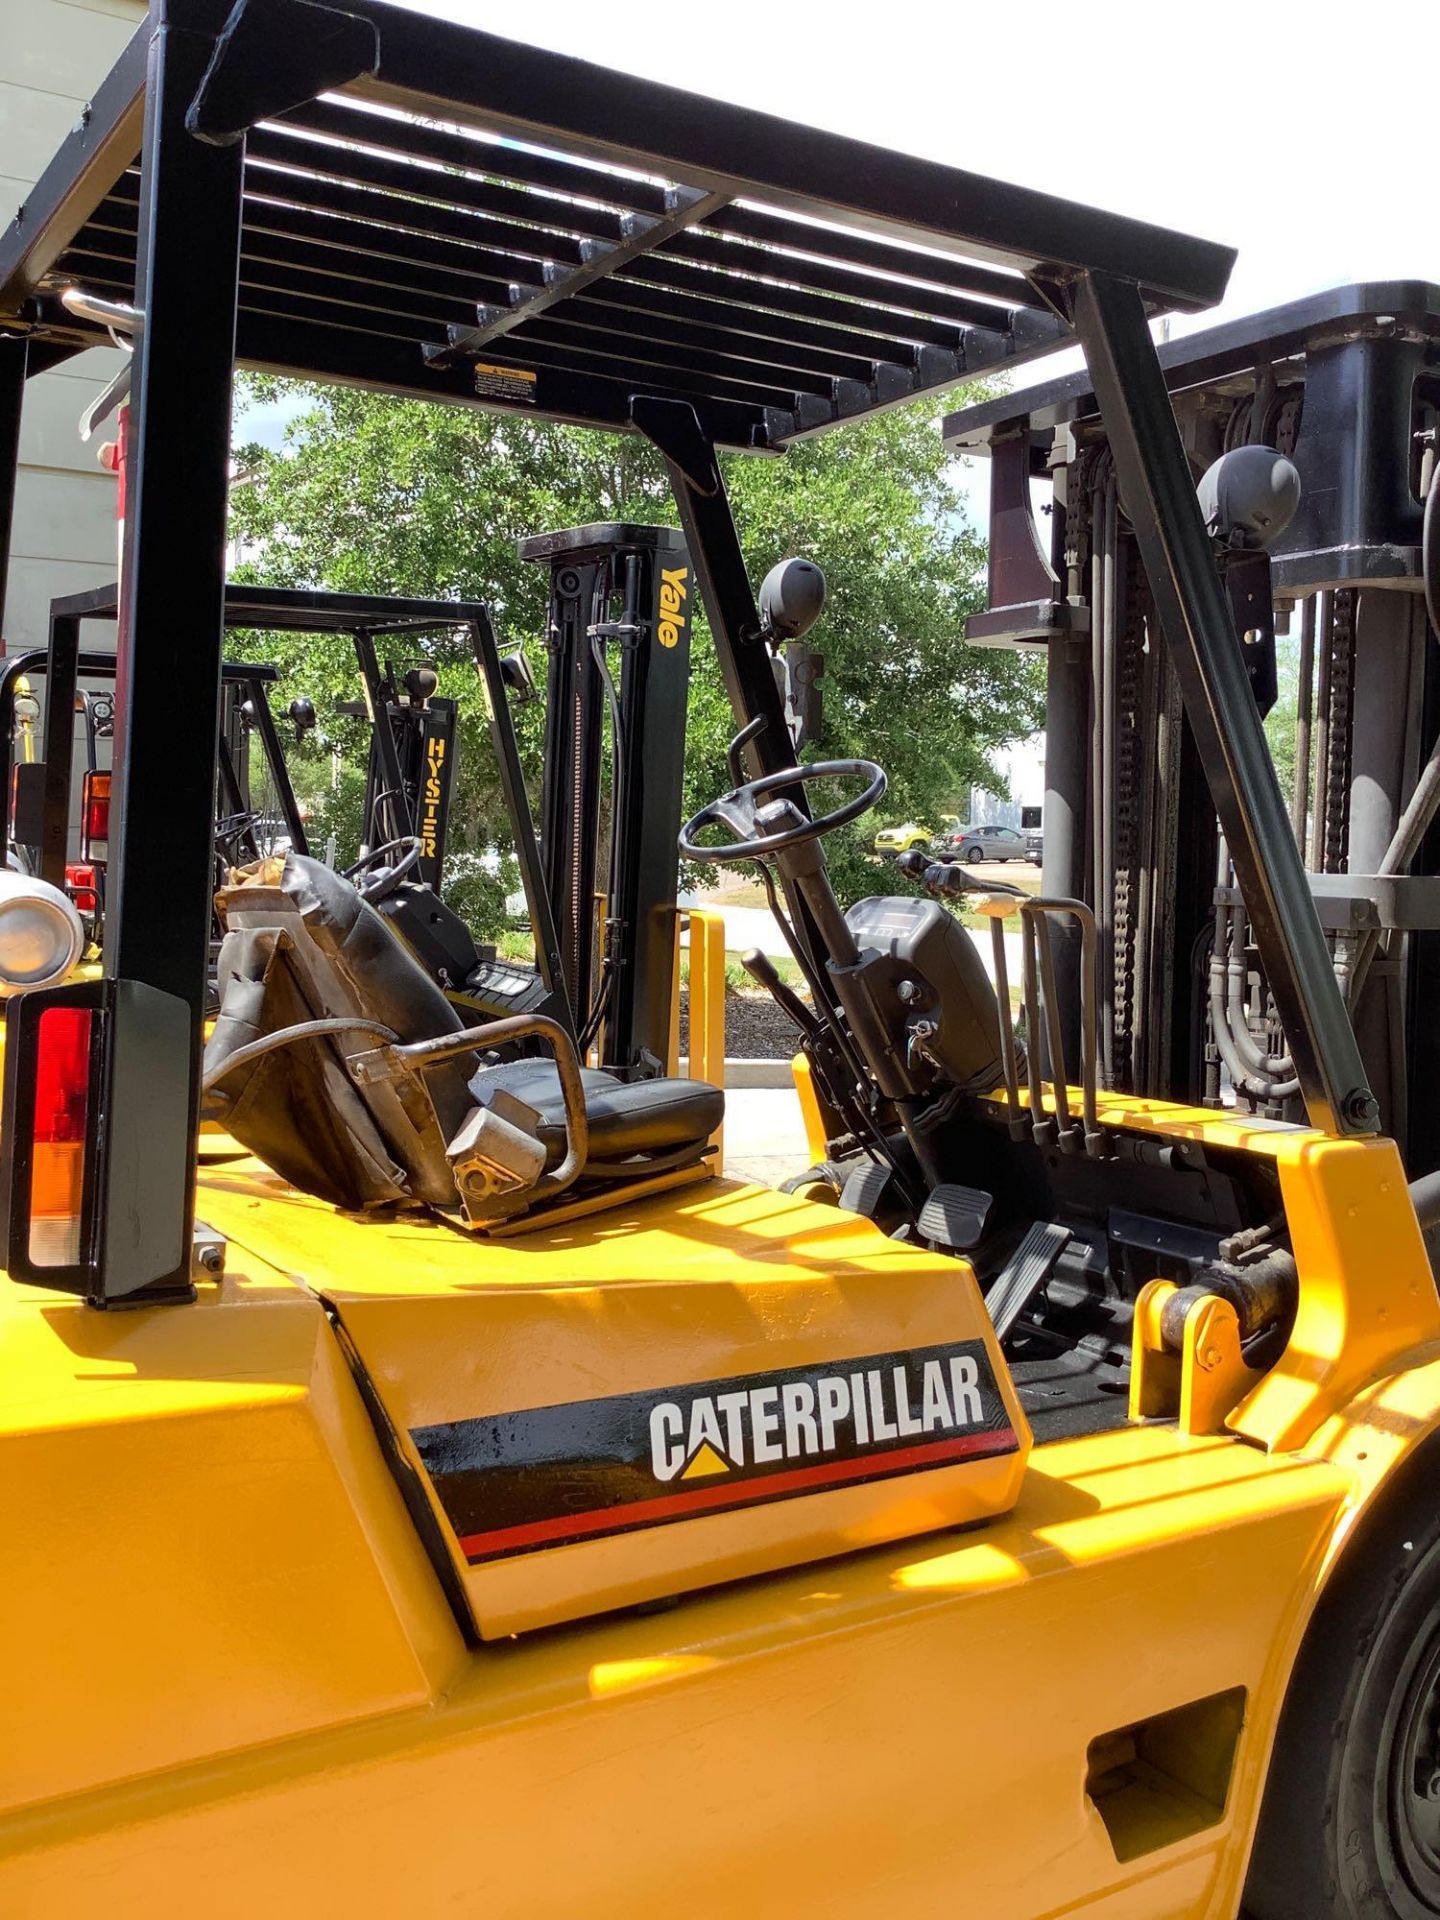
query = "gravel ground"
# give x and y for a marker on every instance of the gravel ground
(755, 1028)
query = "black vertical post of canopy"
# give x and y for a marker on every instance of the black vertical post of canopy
(169, 648)
(1159, 495)
(14, 354)
(713, 541)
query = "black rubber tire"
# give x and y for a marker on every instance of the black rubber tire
(974, 857)
(1346, 1833)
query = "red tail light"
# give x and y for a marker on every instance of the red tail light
(62, 1088)
(95, 817)
(80, 884)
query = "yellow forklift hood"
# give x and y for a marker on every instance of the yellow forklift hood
(689, 1389)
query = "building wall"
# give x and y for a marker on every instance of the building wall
(53, 53)
(1023, 766)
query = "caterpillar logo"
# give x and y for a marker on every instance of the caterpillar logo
(432, 796)
(673, 595)
(805, 1418)
(550, 1476)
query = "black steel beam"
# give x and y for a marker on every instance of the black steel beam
(104, 142)
(269, 344)
(392, 213)
(286, 148)
(601, 114)
(875, 299)
(298, 610)
(719, 310)
(714, 547)
(875, 257)
(688, 324)
(14, 353)
(169, 652)
(749, 294)
(409, 139)
(273, 55)
(1389, 308)
(675, 357)
(496, 246)
(328, 243)
(642, 233)
(647, 370)
(1159, 495)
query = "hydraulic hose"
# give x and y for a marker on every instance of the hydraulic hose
(1277, 1066)
(1255, 1086)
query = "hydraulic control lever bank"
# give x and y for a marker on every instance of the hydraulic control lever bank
(418, 1457)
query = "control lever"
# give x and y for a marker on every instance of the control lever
(761, 969)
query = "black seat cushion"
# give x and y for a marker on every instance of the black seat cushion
(626, 1117)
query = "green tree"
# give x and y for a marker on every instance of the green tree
(380, 495)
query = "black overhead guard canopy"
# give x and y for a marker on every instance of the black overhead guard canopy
(465, 218)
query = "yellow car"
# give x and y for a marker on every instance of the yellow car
(895, 840)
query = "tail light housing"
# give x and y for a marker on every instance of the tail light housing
(52, 1047)
(89, 1208)
(95, 818)
(82, 885)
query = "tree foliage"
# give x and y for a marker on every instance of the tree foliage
(382, 495)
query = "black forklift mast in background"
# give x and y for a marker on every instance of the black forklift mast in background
(617, 638)
(411, 764)
(1345, 385)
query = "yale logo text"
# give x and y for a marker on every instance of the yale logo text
(673, 594)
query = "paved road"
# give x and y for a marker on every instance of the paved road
(764, 1136)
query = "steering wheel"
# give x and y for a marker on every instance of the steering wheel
(738, 809)
(385, 882)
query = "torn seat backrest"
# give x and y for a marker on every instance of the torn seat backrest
(301, 944)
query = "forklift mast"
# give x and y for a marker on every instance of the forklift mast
(619, 609)
(1343, 386)
(411, 765)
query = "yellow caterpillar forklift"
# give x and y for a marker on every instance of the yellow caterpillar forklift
(444, 1492)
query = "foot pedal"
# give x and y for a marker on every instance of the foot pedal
(955, 1217)
(1024, 1273)
(864, 1191)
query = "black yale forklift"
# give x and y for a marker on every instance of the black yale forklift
(447, 1493)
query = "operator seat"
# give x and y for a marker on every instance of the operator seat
(302, 944)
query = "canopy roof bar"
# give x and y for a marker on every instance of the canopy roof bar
(554, 238)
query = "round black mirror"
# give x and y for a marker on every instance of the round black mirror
(792, 597)
(1249, 496)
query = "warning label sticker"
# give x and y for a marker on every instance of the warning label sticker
(505, 383)
(550, 1476)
